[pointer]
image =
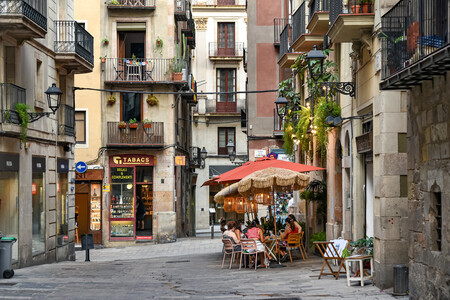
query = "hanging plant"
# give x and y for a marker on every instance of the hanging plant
(152, 100)
(159, 44)
(322, 110)
(302, 129)
(22, 110)
(288, 145)
(111, 100)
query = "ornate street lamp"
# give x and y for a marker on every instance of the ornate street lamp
(54, 101)
(203, 153)
(281, 105)
(230, 147)
(315, 57)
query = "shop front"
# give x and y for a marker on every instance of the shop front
(131, 197)
(88, 204)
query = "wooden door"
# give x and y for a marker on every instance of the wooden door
(82, 203)
(225, 43)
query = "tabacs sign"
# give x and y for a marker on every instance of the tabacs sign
(132, 159)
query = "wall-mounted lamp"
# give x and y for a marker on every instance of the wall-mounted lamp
(337, 121)
(281, 105)
(203, 155)
(54, 101)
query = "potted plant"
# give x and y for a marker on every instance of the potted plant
(147, 123)
(355, 6)
(177, 63)
(114, 2)
(122, 125)
(363, 246)
(22, 110)
(133, 123)
(111, 100)
(105, 41)
(103, 59)
(159, 46)
(365, 5)
(152, 100)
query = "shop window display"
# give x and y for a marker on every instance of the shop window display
(95, 215)
(38, 212)
(62, 224)
(122, 202)
(9, 207)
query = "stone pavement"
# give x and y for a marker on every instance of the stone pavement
(187, 269)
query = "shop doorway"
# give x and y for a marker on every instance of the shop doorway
(144, 210)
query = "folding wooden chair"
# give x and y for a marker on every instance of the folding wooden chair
(302, 246)
(229, 250)
(248, 247)
(329, 252)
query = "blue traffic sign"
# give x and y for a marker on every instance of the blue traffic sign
(81, 167)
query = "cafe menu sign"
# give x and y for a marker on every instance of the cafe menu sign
(132, 160)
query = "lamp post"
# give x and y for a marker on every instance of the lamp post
(281, 105)
(203, 155)
(315, 60)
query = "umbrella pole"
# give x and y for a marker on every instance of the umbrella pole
(275, 225)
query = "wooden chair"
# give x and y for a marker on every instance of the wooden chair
(248, 247)
(229, 250)
(329, 251)
(293, 242)
(302, 246)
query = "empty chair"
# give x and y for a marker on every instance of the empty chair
(293, 242)
(248, 247)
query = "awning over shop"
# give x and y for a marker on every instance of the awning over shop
(217, 170)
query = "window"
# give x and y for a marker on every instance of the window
(226, 82)
(131, 107)
(225, 39)
(226, 134)
(435, 217)
(80, 127)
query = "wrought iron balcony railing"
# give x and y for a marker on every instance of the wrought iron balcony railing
(72, 38)
(318, 5)
(150, 70)
(34, 10)
(285, 40)
(182, 10)
(66, 120)
(412, 30)
(188, 27)
(299, 22)
(140, 136)
(278, 26)
(10, 96)
(133, 4)
(352, 7)
(226, 49)
(219, 2)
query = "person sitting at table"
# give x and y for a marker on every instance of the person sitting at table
(299, 228)
(238, 230)
(231, 235)
(256, 234)
(223, 223)
(290, 229)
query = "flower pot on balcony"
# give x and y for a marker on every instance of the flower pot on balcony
(177, 76)
(147, 125)
(122, 125)
(365, 8)
(356, 9)
(111, 100)
(133, 126)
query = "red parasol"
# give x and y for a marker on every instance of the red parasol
(252, 166)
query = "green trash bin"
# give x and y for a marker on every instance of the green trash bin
(6, 270)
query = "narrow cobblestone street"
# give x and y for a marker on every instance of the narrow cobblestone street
(189, 268)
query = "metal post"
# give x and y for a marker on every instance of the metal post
(87, 254)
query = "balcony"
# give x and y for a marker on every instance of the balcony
(228, 51)
(24, 20)
(182, 10)
(135, 137)
(286, 58)
(213, 107)
(350, 23)
(188, 28)
(245, 59)
(10, 96)
(319, 17)
(74, 47)
(219, 2)
(278, 26)
(124, 5)
(303, 41)
(66, 120)
(142, 71)
(415, 43)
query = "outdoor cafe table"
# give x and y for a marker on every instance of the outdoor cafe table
(270, 245)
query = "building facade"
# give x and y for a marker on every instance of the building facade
(219, 67)
(415, 52)
(41, 45)
(366, 150)
(144, 119)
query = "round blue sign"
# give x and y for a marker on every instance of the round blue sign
(81, 167)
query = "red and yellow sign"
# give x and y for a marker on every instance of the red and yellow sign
(180, 160)
(132, 160)
(34, 189)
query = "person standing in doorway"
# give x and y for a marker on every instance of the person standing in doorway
(140, 213)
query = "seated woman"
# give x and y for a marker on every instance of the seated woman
(231, 235)
(238, 230)
(256, 234)
(290, 229)
(299, 228)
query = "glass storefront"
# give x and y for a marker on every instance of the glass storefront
(131, 197)
(62, 229)
(9, 198)
(38, 205)
(96, 206)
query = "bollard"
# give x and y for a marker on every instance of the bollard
(212, 232)
(87, 242)
(400, 280)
